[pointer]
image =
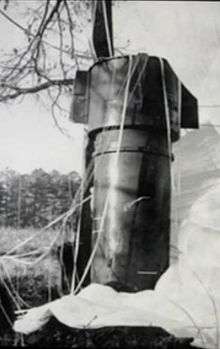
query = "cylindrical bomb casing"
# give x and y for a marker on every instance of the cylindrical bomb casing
(134, 244)
(145, 104)
(140, 96)
(134, 241)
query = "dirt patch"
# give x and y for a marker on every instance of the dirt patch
(57, 335)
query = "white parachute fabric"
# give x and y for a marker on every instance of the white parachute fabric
(185, 302)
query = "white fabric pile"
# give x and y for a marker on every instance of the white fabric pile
(186, 301)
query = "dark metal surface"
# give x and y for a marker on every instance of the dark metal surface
(86, 217)
(146, 100)
(79, 107)
(134, 243)
(100, 39)
(134, 246)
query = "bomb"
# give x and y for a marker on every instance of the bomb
(135, 107)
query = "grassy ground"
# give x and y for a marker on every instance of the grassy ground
(11, 237)
(25, 284)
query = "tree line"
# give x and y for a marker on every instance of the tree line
(35, 199)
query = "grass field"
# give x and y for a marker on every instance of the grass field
(30, 275)
(11, 237)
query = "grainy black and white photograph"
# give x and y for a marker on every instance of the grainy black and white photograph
(110, 174)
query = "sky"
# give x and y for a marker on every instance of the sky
(29, 139)
(186, 33)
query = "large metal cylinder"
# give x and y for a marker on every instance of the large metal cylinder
(134, 238)
(134, 244)
(142, 96)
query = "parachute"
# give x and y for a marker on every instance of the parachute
(185, 301)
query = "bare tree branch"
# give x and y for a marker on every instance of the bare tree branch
(29, 33)
(70, 31)
(33, 67)
(33, 89)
